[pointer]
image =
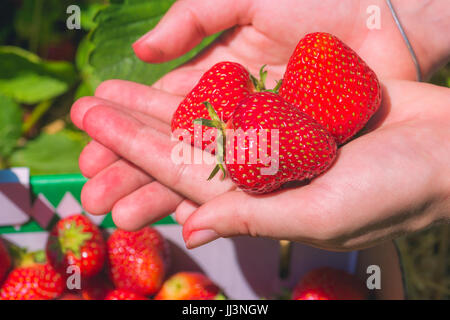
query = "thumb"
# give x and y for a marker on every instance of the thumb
(186, 23)
(287, 214)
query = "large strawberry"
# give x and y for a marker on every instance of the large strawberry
(5, 261)
(189, 286)
(329, 284)
(70, 296)
(32, 278)
(96, 288)
(153, 237)
(119, 294)
(224, 85)
(75, 240)
(136, 261)
(270, 142)
(330, 82)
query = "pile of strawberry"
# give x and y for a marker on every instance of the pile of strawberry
(124, 266)
(327, 94)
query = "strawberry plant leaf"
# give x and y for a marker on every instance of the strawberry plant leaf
(118, 26)
(51, 153)
(88, 84)
(28, 79)
(10, 125)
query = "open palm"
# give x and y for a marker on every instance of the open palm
(381, 184)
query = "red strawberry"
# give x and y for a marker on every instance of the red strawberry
(152, 237)
(329, 284)
(224, 85)
(96, 288)
(189, 286)
(305, 148)
(330, 82)
(136, 261)
(32, 280)
(70, 296)
(124, 295)
(75, 240)
(5, 261)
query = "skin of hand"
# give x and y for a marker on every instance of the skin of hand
(391, 180)
(133, 195)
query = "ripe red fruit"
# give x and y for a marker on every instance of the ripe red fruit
(96, 288)
(329, 284)
(75, 240)
(153, 237)
(5, 261)
(189, 286)
(224, 85)
(302, 150)
(124, 295)
(70, 296)
(137, 261)
(34, 282)
(329, 81)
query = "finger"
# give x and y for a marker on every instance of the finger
(187, 23)
(181, 80)
(152, 151)
(94, 158)
(184, 210)
(100, 193)
(134, 96)
(144, 206)
(237, 213)
(83, 105)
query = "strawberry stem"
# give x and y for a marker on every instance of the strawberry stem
(260, 84)
(217, 123)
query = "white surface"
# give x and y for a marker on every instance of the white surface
(68, 206)
(10, 213)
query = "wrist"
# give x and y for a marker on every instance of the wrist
(426, 25)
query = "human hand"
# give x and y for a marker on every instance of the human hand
(393, 179)
(255, 42)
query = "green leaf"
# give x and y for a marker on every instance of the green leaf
(10, 125)
(28, 79)
(119, 25)
(88, 14)
(83, 90)
(51, 153)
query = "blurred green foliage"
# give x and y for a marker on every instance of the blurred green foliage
(44, 67)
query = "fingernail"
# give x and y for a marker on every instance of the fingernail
(184, 211)
(201, 237)
(143, 38)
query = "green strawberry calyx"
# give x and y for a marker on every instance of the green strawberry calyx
(215, 122)
(72, 239)
(220, 296)
(22, 258)
(260, 84)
